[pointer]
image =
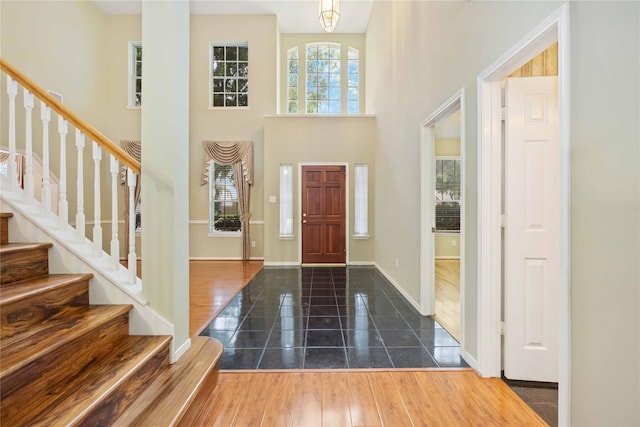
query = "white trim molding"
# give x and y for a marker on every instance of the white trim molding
(554, 28)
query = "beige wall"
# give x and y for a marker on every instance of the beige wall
(296, 139)
(261, 33)
(447, 245)
(289, 41)
(604, 151)
(605, 273)
(419, 54)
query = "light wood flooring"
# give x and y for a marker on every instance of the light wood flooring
(373, 398)
(448, 295)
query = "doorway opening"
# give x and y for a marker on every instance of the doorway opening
(491, 264)
(442, 216)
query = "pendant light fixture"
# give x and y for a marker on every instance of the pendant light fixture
(329, 14)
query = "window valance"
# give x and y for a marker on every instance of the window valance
(228, 153)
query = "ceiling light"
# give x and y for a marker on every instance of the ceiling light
(329, 14)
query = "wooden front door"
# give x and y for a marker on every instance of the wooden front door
(323, 214)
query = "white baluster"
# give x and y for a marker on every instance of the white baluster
(12, 91)
(80, 218)
(115, 243)
(45, 116)
(63, 204)
(28, 133)
(132, 261)
(97, 227)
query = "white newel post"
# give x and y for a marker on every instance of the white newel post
(80, 218)
(63, 204)
(45, 202)
(115, 243)
(132, 261)
(12, 91)
(28, 135)
(97, 226)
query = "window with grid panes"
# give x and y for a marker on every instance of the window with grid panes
(230, 75)
(447, 194)
(323, 78)
(353, 87)
(292, 81)
(224, 216)
(135, 65)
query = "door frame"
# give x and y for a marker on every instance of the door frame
(346, 203)
(427, 213)
(554, 28)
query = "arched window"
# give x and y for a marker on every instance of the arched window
(353, 87)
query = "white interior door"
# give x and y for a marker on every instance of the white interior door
(531, 234)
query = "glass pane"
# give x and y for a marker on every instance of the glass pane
(352, 94)
(218, 53)
(292, 93)
(293, 107)
(353, 67)
(232, 53)
(334, 52)
(218, 68)
(138, 68)
(138, 99)
(243, 53)
(312, 53)
(334, 66)
(243, 100)
(322, 66)
(312, 107)
(353, 54)
(334, 79)
(230, 100)
(232, 69)
(218, 100)
(231, 85)
(323, 52)
(334, 107)
(334, 93)
(138, 85)
(138, 53)
(243, 69)
(311, 67)
(243, 85)
(312, 93)
(293, 67)
(323, 107)
(218, 85)
(293, 80)
(353, 80)
(353, 107)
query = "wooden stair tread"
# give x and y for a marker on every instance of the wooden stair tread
(31, 287)
(6, 214)
(165, 401)
(21, 349)
(73, 401)
(22, 246)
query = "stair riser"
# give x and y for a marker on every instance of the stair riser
(118, 402)
(30, 389)
(21, 315)
(24, 265)
(190, 417)
(4, 230)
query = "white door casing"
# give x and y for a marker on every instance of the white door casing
(532, 242)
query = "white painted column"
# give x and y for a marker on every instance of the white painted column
(115, 242)
(97, 217)
(28, 135)
(45, 202)
(80, 217)
(63, 205)
(165, 164)
(12, 91)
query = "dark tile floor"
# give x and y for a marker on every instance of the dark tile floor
(310, 318)
(541, 397)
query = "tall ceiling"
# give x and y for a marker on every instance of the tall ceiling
(294, 16)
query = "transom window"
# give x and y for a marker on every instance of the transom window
(323, 79)
(135, 73)
(229, 75)
(447, 194)
(224, 215)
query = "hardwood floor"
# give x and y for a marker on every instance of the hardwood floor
(363, 398)
(448, 295)
(212, 284)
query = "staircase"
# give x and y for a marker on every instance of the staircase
(66, 362)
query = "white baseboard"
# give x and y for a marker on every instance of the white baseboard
(176, 353)
(362, 263)
(470, 360)
(196, 258)
(398, 288)
(281, 264)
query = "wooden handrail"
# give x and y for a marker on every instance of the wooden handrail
(71, 117)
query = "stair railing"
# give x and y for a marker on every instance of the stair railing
(27, 194)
